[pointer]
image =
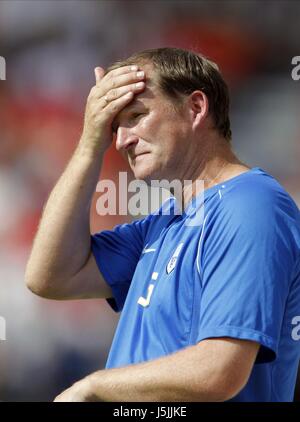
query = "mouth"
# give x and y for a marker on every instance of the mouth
(137, 156)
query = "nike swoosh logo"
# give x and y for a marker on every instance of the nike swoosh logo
(147, 250)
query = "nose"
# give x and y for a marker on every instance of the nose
(125, 139)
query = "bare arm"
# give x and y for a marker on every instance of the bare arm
(212, 370)
(61, 265)
(62, 244)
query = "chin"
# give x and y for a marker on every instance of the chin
(144, 173)
(148, 167)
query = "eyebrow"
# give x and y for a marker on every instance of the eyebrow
(126, 110)
(132, 105)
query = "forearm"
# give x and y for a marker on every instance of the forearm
(63, 235)
(212, 370)
(183, 376)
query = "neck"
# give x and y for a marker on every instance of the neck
(217, 164)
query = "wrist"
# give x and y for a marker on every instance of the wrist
(90, 147)
(95, 142)
(92, 386)
(85, 388)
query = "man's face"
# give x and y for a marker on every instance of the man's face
(152, 134)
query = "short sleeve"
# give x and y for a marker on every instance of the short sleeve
(117, 253)
(245, 270)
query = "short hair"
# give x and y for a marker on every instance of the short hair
(182, 72)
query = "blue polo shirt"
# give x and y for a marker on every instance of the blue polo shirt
(234, 273)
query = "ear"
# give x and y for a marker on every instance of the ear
(199, 107)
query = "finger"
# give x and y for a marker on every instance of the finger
(99, 73)
(119, 71)
(115, 93)
(122, 70)
(114, 107)
(125, 79)
(117, 82)
(109, 82)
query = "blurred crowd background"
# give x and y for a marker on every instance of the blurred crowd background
(51, 49)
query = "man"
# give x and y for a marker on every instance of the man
(207, 310)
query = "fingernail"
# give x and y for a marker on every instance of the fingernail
(134, 67)
(139, 85)
(140, 74)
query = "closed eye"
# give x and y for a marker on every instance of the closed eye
(132, 117)
(136, 115)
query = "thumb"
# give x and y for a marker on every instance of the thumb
(99, 73)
